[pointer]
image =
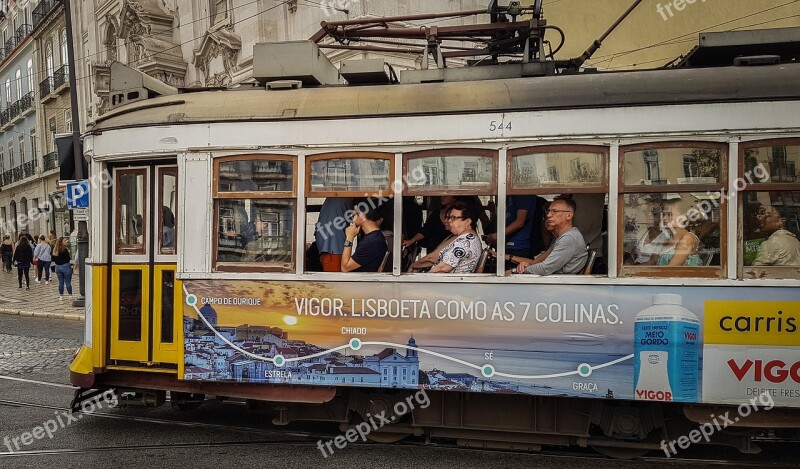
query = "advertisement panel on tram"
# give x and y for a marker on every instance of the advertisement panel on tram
(682, 344)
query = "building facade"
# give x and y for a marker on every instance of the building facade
(32, 77)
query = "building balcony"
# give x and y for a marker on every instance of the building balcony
(46, 87)
(22, 32)
(50, 161)
(18, 109)
(24, 171)
(61, 77)
(41, 11)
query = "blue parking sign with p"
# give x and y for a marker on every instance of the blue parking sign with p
(78, 194)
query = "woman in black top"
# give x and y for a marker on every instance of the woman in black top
(433, 231)
(61, 259)
(23, 256)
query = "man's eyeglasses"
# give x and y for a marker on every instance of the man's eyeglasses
(548, 212)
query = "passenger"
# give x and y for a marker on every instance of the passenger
(424, 264)
(782, 246)
(567, 253)
(329, 234)
(653, 241)
(372, 247)
(433, 232)
(462, 255)
(520, 211)
(681, 248)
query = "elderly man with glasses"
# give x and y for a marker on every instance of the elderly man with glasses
(567, 253)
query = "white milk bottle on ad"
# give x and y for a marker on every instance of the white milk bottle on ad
(666, 351)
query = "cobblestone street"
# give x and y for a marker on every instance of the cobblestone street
(23, 354)
(41, 300)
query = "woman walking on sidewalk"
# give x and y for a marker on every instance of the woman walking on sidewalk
(7, 252)
(23, 256)
(63, 268)
(41, 255)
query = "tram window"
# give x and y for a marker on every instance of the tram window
(167, 305)
(535, 176)
(336, 183)
(672, 215)
(770, 209)
(131, 216)
(362, 174)
(130, 305)
(167, 222)
(255, 213)
(447, 180)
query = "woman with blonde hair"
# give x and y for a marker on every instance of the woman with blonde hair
(61, 259)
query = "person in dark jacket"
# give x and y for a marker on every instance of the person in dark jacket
(23, 256)
(7, 252)
(61, 259)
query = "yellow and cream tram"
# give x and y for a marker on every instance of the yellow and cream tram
(203, 218)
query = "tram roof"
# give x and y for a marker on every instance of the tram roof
(595, 90)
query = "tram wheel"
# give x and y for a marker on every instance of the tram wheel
(185, 402)
(621, 453)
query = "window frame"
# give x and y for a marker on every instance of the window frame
(124, 249)
(713, 272)
(347, 155)
(560, 189)
(408, 191)
(752, 271)
(258, 195)
(161, 171)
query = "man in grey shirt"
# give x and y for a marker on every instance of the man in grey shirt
(567, 253)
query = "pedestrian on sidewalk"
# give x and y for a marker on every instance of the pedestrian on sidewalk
(7, 252)
(61, 258)
(41, 256)
(23, 256)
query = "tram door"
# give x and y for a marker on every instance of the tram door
(145, 295)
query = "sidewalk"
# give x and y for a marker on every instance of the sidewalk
(40, 301)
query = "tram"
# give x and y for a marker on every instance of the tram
(201, 285)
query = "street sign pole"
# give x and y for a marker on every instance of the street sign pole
(83, 232)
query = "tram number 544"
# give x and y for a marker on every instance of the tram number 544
(494, 126)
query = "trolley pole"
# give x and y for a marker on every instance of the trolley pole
(83, 232)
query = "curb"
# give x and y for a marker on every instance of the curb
(36, 314)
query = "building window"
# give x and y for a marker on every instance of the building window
(8, 92)
(33, 144)
(30, 75)
(22, 148)
(3, 160)
(48, 58)
(68, 120)
(11, 152)
(62, 39)
(52, 127)
(18, 80)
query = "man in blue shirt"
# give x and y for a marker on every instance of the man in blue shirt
(329, 233)
(519, 225)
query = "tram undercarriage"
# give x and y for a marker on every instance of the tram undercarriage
(472, 420)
